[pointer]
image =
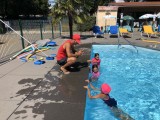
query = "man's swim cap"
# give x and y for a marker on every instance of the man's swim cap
(105, 88)
(77, 38)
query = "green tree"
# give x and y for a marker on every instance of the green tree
(41, 6)
(14, 8)
(96, 3)
(76, 11)
(87, 25)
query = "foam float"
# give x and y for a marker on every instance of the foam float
(39, 62)
(49, 58)
(51, 43)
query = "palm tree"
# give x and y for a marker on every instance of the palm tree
(76, 11)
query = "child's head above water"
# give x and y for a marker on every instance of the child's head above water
(95, 68)
(96, 55)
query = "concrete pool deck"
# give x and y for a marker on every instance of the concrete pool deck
(42, 92)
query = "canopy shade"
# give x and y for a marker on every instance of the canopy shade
(158, 15)
(127, 17)
(145, 16)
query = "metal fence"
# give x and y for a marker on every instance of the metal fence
(32, 30)
(11, 41)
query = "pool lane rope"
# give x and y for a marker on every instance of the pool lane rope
(24, 39)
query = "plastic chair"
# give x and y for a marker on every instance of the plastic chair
(97, 31)
(114, 30)
(149, 31)
(124, 31)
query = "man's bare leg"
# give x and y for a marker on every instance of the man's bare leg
(70, 61)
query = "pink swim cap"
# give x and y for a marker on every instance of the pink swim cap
(105, 88)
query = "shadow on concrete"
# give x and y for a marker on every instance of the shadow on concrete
(1, 43)
(77, 66)
(56, 96)
(113, 36)
(149, 37)
(100, 36)
(126, 36)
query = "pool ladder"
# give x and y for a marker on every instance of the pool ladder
(129, 44)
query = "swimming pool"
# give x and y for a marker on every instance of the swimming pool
(135, 81)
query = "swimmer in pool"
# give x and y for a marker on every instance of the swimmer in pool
(111, 102)
(96, 60)
(95, 73)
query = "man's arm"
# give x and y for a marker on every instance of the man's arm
(73, 49)
(93, 97)
(68, 48)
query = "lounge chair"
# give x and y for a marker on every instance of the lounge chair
(97, 31)
(149, 31)
(114, 30)
(124, 31)
(158, 30)
(129, 28)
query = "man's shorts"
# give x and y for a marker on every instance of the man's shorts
(62, 61)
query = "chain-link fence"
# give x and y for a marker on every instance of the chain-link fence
(32, 30)
(13, 31)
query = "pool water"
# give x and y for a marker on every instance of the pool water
(134, 79)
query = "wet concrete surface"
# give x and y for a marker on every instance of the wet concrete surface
(57, 96)
(70, 90)
(54, 96)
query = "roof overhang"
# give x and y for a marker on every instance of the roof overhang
(101, 8)
(135, 4)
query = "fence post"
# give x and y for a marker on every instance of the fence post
(52, 30)
(21, 32)
(41, 30)
(60, 28)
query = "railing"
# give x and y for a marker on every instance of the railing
(32, 30)
(128, 43)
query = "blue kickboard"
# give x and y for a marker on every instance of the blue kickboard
(49, 58)
(39, 62)
(51, 43)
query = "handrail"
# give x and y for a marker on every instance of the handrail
(129, 44)
(118, 42)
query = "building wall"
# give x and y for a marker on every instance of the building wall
(101, 21)
(103, 11)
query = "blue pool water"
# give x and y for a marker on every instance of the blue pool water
(135, 81)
